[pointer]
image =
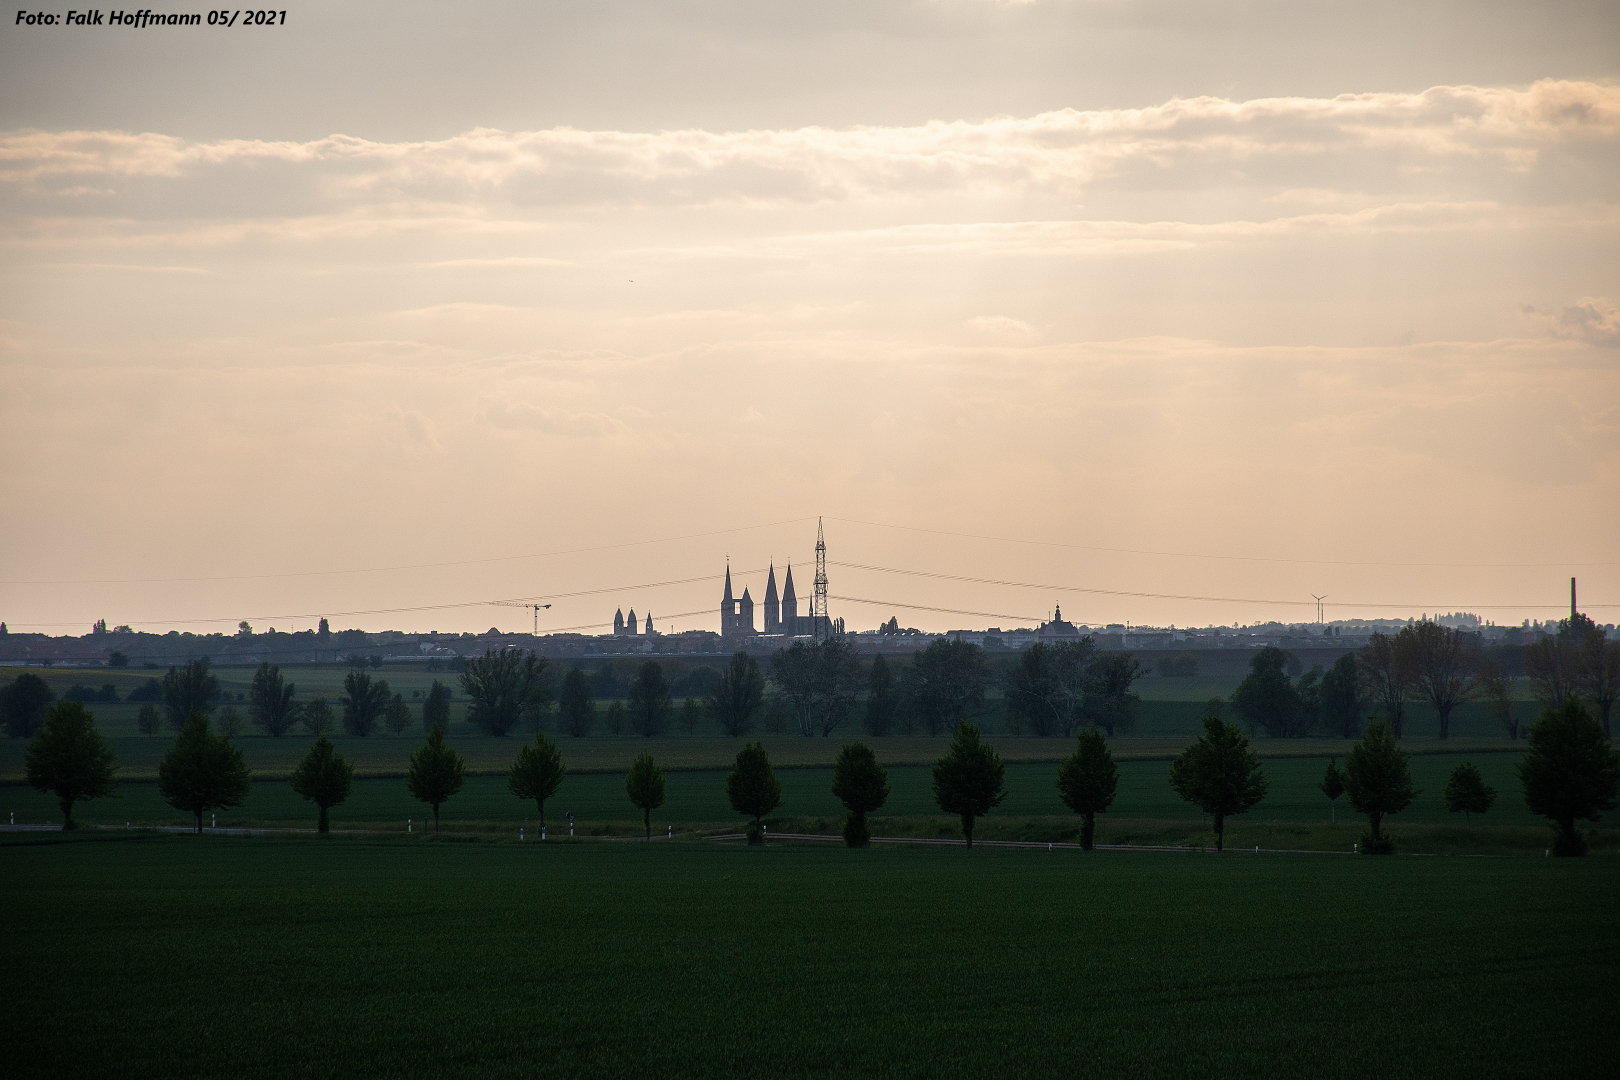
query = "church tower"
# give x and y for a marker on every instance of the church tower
(773, 607)
(630, 623)
(618, 623)
(649, 624)
(745, 613)
(790, 605)
(728, 607)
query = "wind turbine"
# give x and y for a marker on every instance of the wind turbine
(1318, 600)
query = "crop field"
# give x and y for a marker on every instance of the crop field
(180, 956)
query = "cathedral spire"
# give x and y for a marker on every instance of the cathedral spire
(726, 599)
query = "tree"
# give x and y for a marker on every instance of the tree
(1445, 667)
(1599, 673)
(1386, 670)
(1553, 667)
(230, 722)
(1046, 687)
(1466, 792)
(880, 698)
(364, 702)
(397, 714)
(1109, 702)
(794, 670)
(436, 707)
(1332, 786)
(323, 778)
(691, 713)
(1497, 689)
(436, 773)
(738, 695)
(1570, 772)
(25, 704)
(649, 704)
(1268, 700)
(575, 709)
(1378, 781)
(536, 774)
(203, 771)
(70, 759)
(118, 659)
(189, 690)
(862, 785)
(753, 788)
(838, 684)
(1087, 780)
(505, 688)
(1342, 700)
(968, 779)
(148, 720)
(948, 683)
(645, 786)
(615, 717)
(270, 702)
(318, 716)
(1219, 774)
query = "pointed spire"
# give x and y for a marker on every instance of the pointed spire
(726, 599)
(788, 596)
(770, 585)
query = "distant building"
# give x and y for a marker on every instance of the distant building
(1058, 629)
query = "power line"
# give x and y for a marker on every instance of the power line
(1197, 555)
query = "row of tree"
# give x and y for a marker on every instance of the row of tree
(1442, 666)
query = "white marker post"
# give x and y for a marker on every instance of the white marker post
(407, 824)
(520, 832)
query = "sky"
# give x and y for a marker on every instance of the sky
(1166, 313)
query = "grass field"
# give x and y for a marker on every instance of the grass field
(181, 956)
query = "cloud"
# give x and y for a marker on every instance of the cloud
(1002, 327)
(520, 416)
(1595, 320)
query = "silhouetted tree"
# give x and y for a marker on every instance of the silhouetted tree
(436, 707)
(1466, 792)
(1109, 702)
(1220, 775)
(317, 716)
(1497, 689)
(270, 702)
(25, 702)
(1378, 781)
(738, 695)
(615, 717)
(753, 788)
(649, 704)
(576, 710)
(968, 779)
(397, 714)
(1553, 667)
(436, 773)
(505, 688)
(1445, 667)
(148, 720)
(1343, 703)
(645, 786)
(1046, 687)
(70, 759)
(1087, 780)
(203, 771)
(118, 659)
(1332, 786)
(1599, 673)
(1267, 700)
(948, 682)
(364, 702)
(1570, 773)
(537, 773)
(323, 778)
(1386, 670)
(691, 713)
(862, 785)
(230, 722)
(189, 690)
(880, 698)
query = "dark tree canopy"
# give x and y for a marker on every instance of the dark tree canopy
(1598, 675)
(1332, 786)
(575, 709)
(820, 682)
(862, 785)
(1497, 689)
(506, 688)
(1445, 667)
(24, 704)
(1386, 671)
(1087, 780)
(397, 714)
(1466, 792)
(1553, 667)
(1378, 781)
(1267, 699)
(1570, 773)
(1342, 702)
(880, 698)
(649, 704)
(69, 758)
(537, 773)
(436, 707)
(1109, 702)
(1219, 774)
(270, 702)
(364, 703)
(738, 695)
(1046, 686)
(317, 716)
(753, 787)
(323, 778)
(203, 771)
(189, 690)
(947, 682)
(968, 779)
(645, 786)
(436, 773)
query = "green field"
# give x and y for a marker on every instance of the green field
(180, 956)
